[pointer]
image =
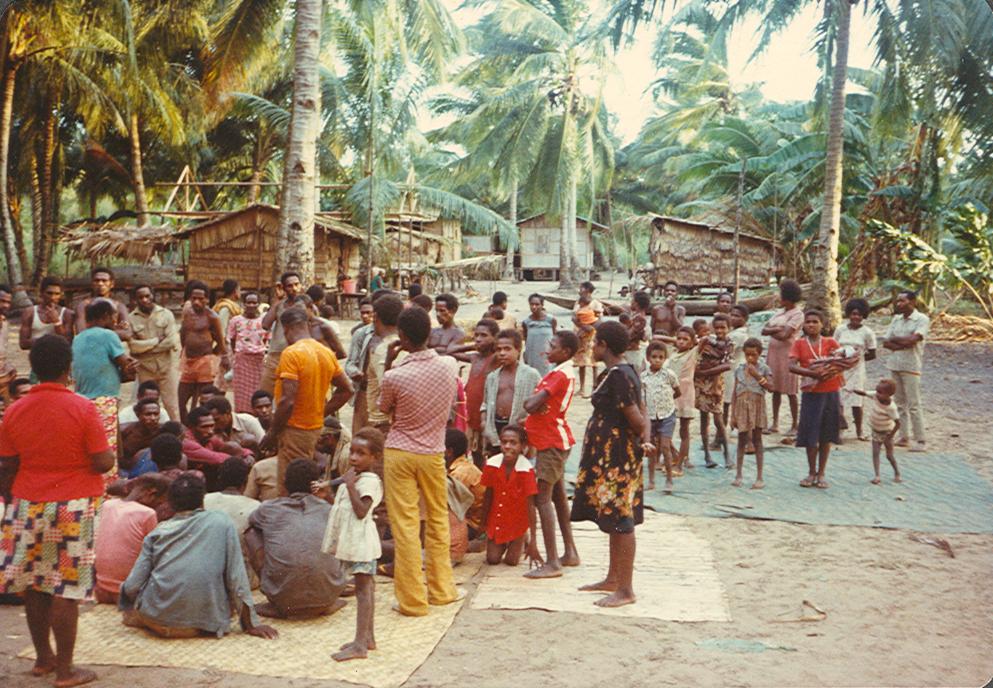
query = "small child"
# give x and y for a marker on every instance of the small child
(701, 328)
(683, 365)
(351, 535)
(708, 380)
(508, 507)
(751, 382)
(884, 420)
(660, 388)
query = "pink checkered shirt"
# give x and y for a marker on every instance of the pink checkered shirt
(419, 393)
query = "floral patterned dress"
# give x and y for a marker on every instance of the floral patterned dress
(609, 487)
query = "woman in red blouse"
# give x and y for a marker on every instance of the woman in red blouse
(508, 505)
(821, 365)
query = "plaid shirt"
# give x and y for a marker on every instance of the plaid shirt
(419, 393)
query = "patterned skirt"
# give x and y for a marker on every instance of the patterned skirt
(584, 357)
(709, 393)
(247, 377)
(107, 408)
(48, 547)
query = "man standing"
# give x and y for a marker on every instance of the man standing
(418, 393)
(155, 346)
(386, 311)
(668, 317)
(447, 335)
(202, 340)
(306, 369)
(102, 287)
(905, 340)
(7, 370)
(292, 288)
(48, 547)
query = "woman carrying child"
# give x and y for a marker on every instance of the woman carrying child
(351, 535)
(508, 506)
(609, 485)
(813, 358)
(587, 312)
(751, 382)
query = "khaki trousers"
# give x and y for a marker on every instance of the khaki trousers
(409, 478)
(165, 371)
(294, 443)
(268, 382)
(908, 402)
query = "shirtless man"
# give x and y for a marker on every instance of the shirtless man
(101, 286)
(667, 317)
(447, 335)
(482, 359)
(202, 341)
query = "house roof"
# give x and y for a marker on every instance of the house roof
(326, 224)
(713, 225)
(579, 218)
(96, 241)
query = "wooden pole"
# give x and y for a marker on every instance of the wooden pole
(737, 231)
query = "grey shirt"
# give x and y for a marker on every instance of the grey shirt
(190, 574)
(296, 574)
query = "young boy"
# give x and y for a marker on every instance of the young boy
(461, 468)
(884, 420)
(481, 356)
(506, 388)
(660, 388)
(447, 336)
(509, 503)
(715, 354)
(552, 439)
(683, 364)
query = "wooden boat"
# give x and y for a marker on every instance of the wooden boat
(696, 307)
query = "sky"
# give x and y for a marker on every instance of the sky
(787, 70)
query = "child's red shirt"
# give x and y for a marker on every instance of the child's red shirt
(508, 519)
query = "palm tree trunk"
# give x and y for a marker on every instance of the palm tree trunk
(508, 272)
(49, 196)
(137, 177)
(565, 280)
(9, 250)
(295, 240)
(253, 190)
(573, 243)
(824, 292)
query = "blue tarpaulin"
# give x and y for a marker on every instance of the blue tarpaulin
(941, 493)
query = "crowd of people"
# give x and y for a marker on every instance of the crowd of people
(230, 470)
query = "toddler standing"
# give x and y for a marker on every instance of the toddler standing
(884, 420)
(351, 535)
(660, 388)
(751, 382)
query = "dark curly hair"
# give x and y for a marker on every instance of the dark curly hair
(790, 290)
(857, 306)
(614, 335)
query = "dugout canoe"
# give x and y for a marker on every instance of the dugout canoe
(695, 307)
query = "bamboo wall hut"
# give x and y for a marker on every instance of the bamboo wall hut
(538, 255)
(242, 245)
(701, 254)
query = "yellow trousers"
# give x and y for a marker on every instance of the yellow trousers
(408, 478)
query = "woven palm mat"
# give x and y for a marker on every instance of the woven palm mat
(674, 577)
(303, 649)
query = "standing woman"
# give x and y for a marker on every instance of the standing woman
(609, 486)
(538, 328)
(248, 343)
(587, 312)
(857, 334)
(783, 329)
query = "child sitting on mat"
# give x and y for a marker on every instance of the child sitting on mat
(751, 382)
(884, 420)
(352, 537)
(508, 506)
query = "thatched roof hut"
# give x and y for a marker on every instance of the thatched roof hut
(242, 245)
(134, 244)
(700, 253)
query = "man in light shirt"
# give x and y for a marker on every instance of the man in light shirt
(905, 341)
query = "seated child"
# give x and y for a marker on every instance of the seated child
(751, 381)
(660, 388)
(461, 468)
(509, 504)
(884, 420)
(351, 535)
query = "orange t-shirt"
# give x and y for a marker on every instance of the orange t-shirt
(313, 365)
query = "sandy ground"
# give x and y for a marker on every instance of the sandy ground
(899, 613)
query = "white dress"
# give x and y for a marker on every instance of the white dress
(347, 537)
(863, 339)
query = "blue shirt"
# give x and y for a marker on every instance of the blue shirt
(190, 573)
(93, 367)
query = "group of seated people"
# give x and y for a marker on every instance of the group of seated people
(196, 521)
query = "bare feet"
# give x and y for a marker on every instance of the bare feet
(651, 486)
(601, 586)
(902, 443)
(710, 463)
(43, 668)
(569, 559)
(350, 651)
(668, 487)
(545, 571)
(808, 481)
(758, 485)
(78, 677)
(268, 609)
(771, 430)
(863, 438)
(616, 599)
(897, 478)
(875, 481)
(821, 484)
(737, 482)
(371, 645)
